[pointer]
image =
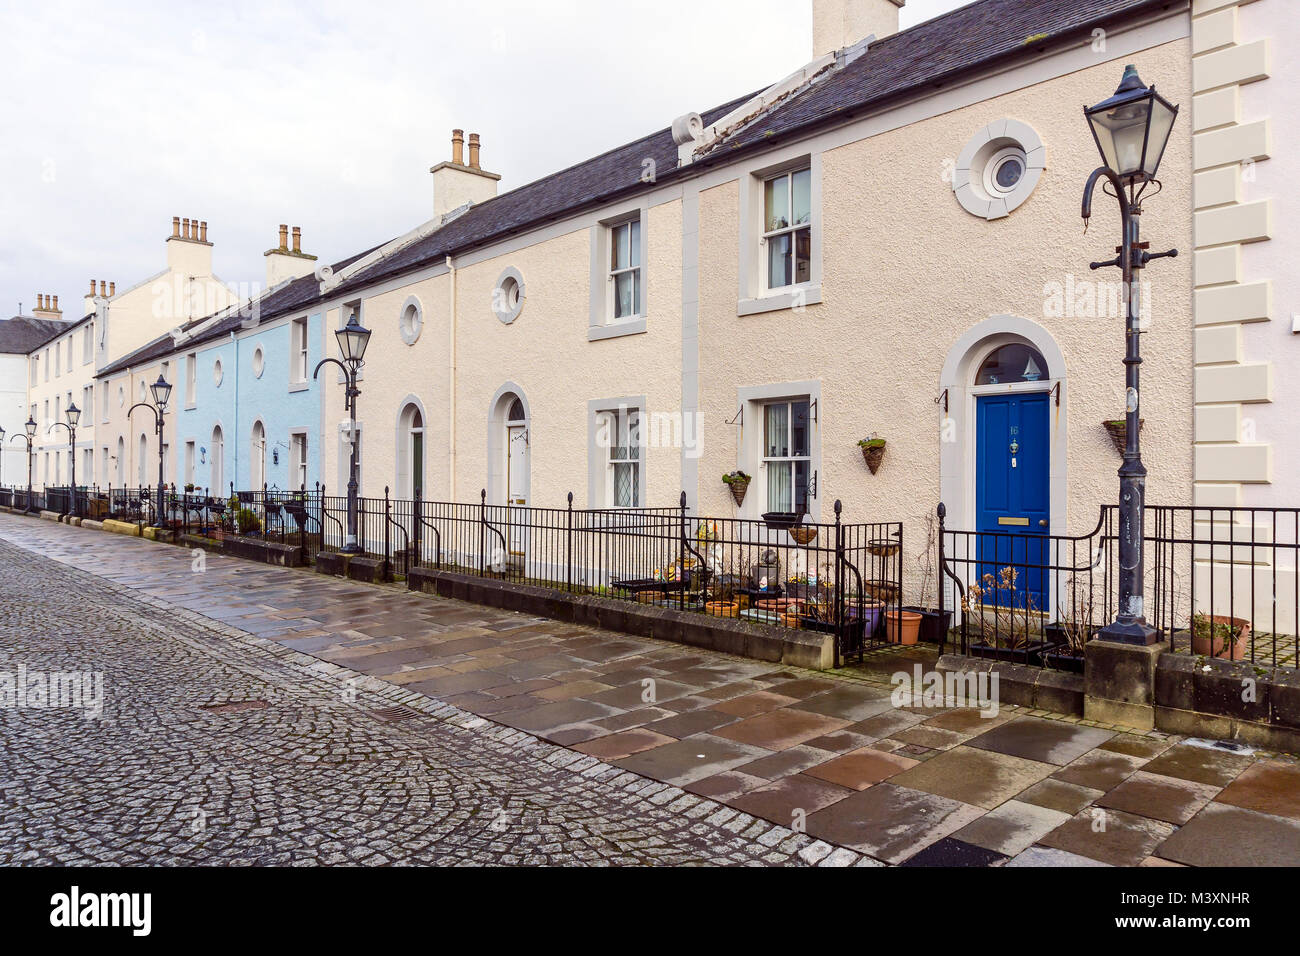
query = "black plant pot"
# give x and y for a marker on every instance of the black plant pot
(781, 520)
(934, 626)
(1031, 653)
(1060, 661)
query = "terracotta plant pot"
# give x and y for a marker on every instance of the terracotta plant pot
(902, 627)
(1221, 646)
(722, 608)
(1118, 431)
(738, 488)
(873, 455)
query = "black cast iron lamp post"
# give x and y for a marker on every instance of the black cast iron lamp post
(353, 339)
(74, 416)
(1132, 130)
(30, 426)
(161, 392)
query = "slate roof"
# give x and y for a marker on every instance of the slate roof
(924, 58)
(23, 333)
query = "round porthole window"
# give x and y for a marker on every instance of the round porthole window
(998, 169)
(259, 362)
(1004, 171)
(508, 296)
(217, 373)
(411, 321)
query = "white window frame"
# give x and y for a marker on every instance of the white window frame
(298, 459)
(632, 268)
(188, 477)
(191, 379)
(601, 323)
(790, 229)
(608, 420)
(298, 351)
(753, 295)
(788, 460)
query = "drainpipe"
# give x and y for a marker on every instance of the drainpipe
(451, 378)
(234, 474)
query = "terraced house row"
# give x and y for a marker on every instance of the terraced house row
(885, 244)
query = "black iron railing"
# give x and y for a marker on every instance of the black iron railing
(1218, 582)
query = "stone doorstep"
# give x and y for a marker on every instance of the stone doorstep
(1037, 688)
(809, 649)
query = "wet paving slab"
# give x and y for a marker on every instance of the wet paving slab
(827, 751)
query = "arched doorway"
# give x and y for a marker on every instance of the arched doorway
(410, 451)
(1003, 447)
(510, 464)
(217, 461)
(257, 456)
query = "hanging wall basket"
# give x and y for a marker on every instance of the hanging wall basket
(1118, 431)
(873, 453)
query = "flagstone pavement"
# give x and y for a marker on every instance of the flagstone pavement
(826, 753)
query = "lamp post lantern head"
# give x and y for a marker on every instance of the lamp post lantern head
(31, 427)
(74, 415)
(353, 339)
(1132, 128)
(161, 392)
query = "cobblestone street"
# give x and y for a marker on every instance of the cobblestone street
(217, 747)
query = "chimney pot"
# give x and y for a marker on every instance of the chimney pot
(297, 239)
(284, 236)
(203, 231)
(103, 287)
(176, 227)
(112, 289)
(458, 147)
(185, 228)
(473, 150)
(92, 286)
(56, 303)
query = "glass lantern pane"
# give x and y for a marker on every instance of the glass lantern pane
(1162, 124)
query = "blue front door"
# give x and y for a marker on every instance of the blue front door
(1012, 496)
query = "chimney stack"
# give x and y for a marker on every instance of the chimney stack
(284, 263)
(841, 23)
(456, 184)
(47, 307)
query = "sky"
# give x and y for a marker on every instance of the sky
(328, 115)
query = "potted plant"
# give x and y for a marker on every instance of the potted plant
(902, 626)
(722, 590)
(933, 624)
(1074, 628)
(1217, 635)
(873, 452)
(1118, 430)
(738, 482)
(247, 521)
(1003, 630)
